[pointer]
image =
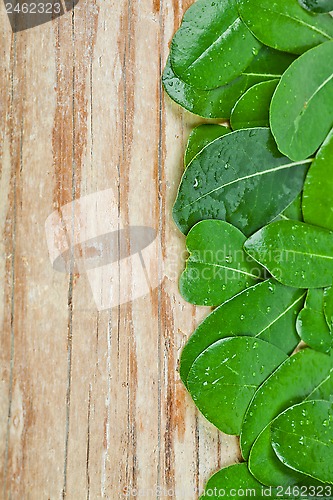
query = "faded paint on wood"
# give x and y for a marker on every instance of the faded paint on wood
(91, 402)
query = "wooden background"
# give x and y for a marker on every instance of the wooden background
(91, 404)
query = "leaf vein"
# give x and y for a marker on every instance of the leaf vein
(221, 37)
(282, 314)
(246, 177)
(299, 21)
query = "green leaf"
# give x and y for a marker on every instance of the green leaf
(284, 25)
(240, 178)
(252, 109)
(301, 115)
(233, 478)
(328, 306)
(217, 267)
(224, 378)
(318, 6)
(302, 438)
(294, 211)
(317, 200)
(288, 385)
(200, 137)
(311, 323)
(201, 49)
(263, 462)
(269, 470)
(296, 254)
(267, 311)
(217, 103)
(236, 481)
(266, 467)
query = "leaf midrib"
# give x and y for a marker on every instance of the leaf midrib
(296, 434)
(282, 314)
(318, 386)
(268, 75)
(299, 21)
(212, 264)
(246, 177)
(325, 257)
(207, 50)
(305, 108)
(228, 384)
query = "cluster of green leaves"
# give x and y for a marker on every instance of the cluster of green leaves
(256, 205)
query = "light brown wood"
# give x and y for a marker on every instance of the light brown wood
(91, 404)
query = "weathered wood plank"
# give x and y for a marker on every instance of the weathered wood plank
(91, 404)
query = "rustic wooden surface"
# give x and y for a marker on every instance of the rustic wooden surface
(91, 404)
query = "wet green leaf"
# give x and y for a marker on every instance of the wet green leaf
(235, 480)
(240, 170)
(328, 306)
(217, 103)
(284, 25)
(217, 267)
(296, 254)
(252, 109)
(302, 438)
(307, 374)
(200, 137)
(235, 477)
(224, 378)
(311, 323)
(201, 49)
(264, 464)
(267, 311)
(301, 115)
(318, 6)
(317, 200)
(294, 211)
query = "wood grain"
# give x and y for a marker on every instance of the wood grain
(91, 404)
